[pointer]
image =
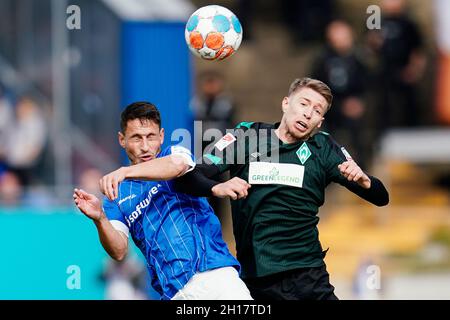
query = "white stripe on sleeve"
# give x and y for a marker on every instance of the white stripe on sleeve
(120, 226)
(186, 154)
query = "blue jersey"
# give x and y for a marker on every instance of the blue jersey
(178, 234)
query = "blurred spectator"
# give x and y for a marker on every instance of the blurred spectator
(125, 280)
(211, 105)
(398, 46)
(89, 182)
(340, 67)
(216, 111)
(6, 119)
(39, 196)
(308, 18)
(11, 190)
(25, 140)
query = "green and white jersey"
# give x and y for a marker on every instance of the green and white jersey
(275, 227)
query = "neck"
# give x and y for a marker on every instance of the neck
(284, 135)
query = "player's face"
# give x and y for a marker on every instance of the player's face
(142, 140)
(304, 112)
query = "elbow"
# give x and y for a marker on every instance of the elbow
(119, 256)
(180, 169)
(384, 201)
(380, 192)
(179, 166)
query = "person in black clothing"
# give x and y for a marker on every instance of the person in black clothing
(340, 66)
(210, 104)
(398, 46)
(307, 19)
(215, 109)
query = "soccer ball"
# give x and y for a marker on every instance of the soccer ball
(213, 33)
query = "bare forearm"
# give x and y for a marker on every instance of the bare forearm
(112, 241)
(166, 168)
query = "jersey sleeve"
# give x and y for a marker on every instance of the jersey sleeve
(115, 216)
(334, 155)
(185, 153)
(230, 150)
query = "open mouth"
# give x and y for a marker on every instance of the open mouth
(146, 158)
(302, 126)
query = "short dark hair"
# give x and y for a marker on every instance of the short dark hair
(315, 85)
(141, 110)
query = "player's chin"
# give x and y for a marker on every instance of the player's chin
(138, 160)
(300, 134)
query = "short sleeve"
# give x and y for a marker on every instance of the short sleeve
(115, 216)
(183, 152)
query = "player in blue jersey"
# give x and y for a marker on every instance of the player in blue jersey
(179, 235)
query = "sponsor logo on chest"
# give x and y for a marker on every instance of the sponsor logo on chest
(142, 205)
(130, 197)
(276, 173)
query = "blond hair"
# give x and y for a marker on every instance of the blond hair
(314, 84)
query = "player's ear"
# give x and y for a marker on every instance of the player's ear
(121, 138)
(320, 123)
(161, 135)
(285, 104)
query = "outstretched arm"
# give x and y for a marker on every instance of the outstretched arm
(164, 168)
(200, 182)
(114, 242)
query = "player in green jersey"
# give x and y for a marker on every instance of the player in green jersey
(289, 164)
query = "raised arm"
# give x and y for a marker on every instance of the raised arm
(164, 168)
(113, 241)
(343, 169)
(367, 187)
(200, 182)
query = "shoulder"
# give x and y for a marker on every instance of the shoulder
(323, 139)
(248, 125)
(172, 149)
(245, 125)
(249, 131)
(327, 143)
(252, 125)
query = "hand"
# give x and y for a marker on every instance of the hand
(109, 184)
(88, 204)
(235, 188)
(353, 172)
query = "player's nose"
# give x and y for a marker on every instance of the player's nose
(145, 146)
(308, 113)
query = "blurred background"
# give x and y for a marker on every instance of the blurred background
(62, 90)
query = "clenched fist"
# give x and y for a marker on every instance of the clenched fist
(353, 172)
(235, 188)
